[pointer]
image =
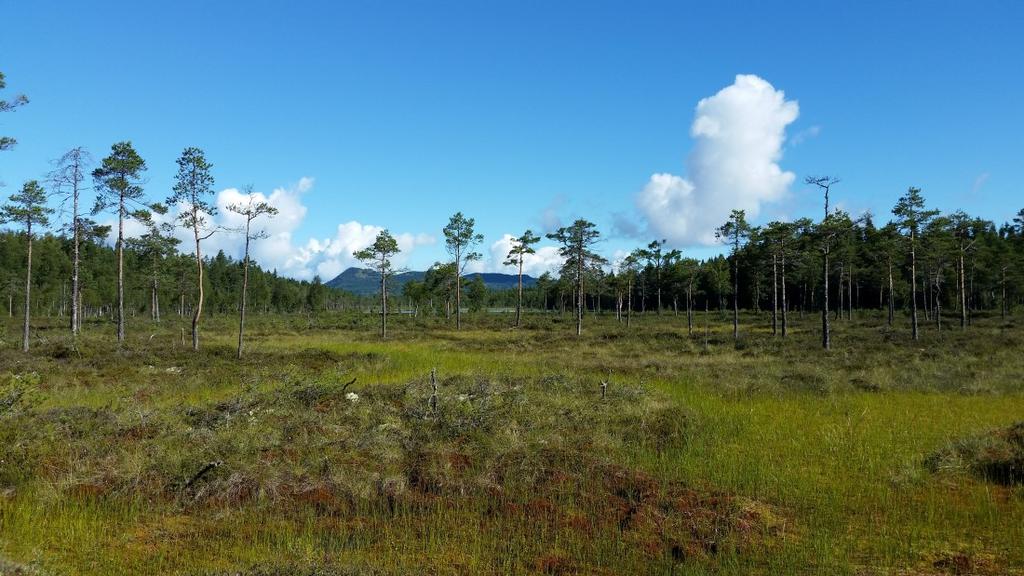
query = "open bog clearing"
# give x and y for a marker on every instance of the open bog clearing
(326, 451)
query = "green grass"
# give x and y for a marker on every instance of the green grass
(763, 456)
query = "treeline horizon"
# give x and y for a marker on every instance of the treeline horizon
(650, 279)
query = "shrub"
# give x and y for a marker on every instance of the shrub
(996, 456)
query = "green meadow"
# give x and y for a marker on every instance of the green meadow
(647, 450)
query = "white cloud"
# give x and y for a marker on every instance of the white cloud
(979, 183)
(326, 257)
(334, 255)
(545, 259)
(329, 269)
(804, 135)
(277, 250)
(739, 133)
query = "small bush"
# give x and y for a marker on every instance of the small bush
(12, 569)
(996, 456)
(19, 394)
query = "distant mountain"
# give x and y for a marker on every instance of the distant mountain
(363, 281)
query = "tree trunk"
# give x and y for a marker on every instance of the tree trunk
(659, 288)
(782, 285)
(156, 300)
(689, 309)
(458, 290)
(383, 303)
(579, 300)
(913, 288)
(120, 271)
(736, 290)
(970, 293)
(28, 290)
(963, 293)
(75, 310)
(892, 304)
(826, 342)
(629, 299)
(775, 293)
(519, 298)
(245, 289)
(199, 284)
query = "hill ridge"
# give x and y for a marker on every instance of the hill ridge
(363, 281)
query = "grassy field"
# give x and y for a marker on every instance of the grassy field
(757, 457)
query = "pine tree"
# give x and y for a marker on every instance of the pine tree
(119, 187)
(780, 239)
(378, 256)
(27, 209)
(577, 241)
(736, 231)
(827, 234)
(912, 218)
(250, 210)
(67, 179)
(460, 237)
(521, 246)
(192, 190)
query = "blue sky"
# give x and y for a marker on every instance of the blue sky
(528, 114)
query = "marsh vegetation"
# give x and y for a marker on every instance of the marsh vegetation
(326, 451)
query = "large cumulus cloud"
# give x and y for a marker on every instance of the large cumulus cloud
(739, 138)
